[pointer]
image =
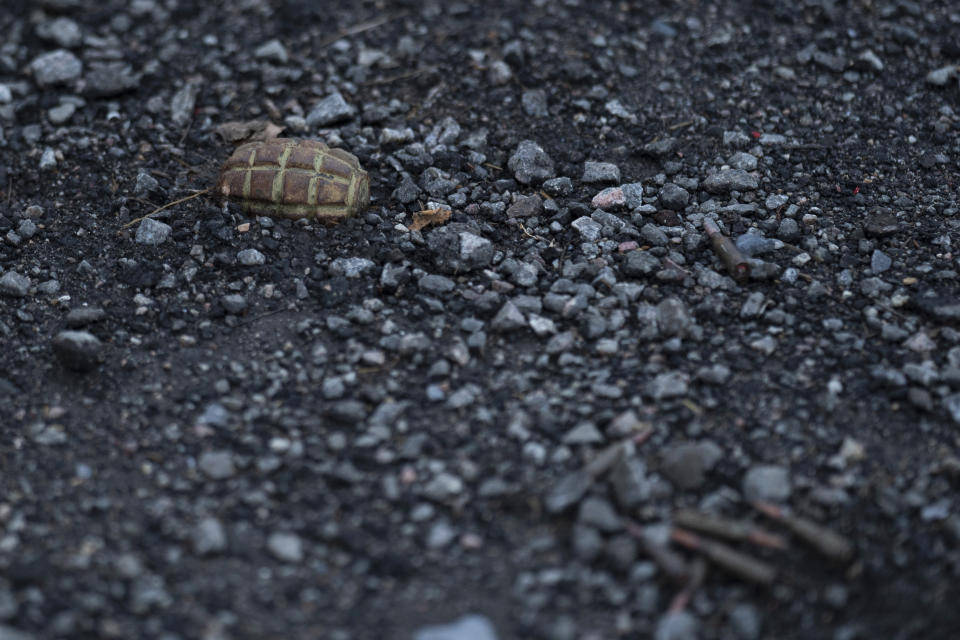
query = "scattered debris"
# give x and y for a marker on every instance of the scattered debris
(428, 217)
(237, 131)
(727, 251)
(827, 542)
(728, 558)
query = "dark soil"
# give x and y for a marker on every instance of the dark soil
(372, 430)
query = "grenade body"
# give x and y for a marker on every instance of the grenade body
(292, 178)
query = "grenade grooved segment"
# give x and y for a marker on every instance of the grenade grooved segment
(291, 178)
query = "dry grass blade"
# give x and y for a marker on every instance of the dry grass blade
(166, 206)
(360, 27)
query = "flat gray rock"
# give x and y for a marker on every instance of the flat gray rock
(330, 110)
(56, 67)
(471, 627)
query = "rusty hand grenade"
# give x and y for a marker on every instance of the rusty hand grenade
(293, 178)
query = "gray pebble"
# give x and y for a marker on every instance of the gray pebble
(56, 67)
(61, 113)
(661, 148)
(209, 537)
(653, 234)
(407, 191)
(352, 267)
(534, 103)
(952, 404)
(152, 232)
(471, 627)
(632, 194)
(940, 77)
(82, 316)
(753, 305)
(109, 79)
(880, 262)
(436, 284)
(600, 172)
(743, 161)
(272, 51)
(631, 486)
(530, 164)
(727, 180)
(586, 541)
(183, 103)
(509, 318)
(443, 486)
(754, 243)
(286, 547)
(475, 251)
(234, 303)
(525, 207)
(78, 350)
(589, 229)
(216, 465)
(499, 73)
(145, 184)
(8, 604)
(672, 384)
(251, 257)
(330, 110)
(767, 483)
(597, 512)
(568, 491)
(871, 60)
(685, 465)
(789, 230)
(775, 201)
(674, 318)
(441, 534)
(583, 433)
(48, 160)
(677, 625)
(558, 187)
(14, 285)
(745, 621)
(674, 197)
(64, 32)
(640, 263)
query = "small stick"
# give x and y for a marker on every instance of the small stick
(735, 562)
(824, 540)
(728, 253)
(166, 206)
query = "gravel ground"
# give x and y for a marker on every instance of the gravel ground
(506, 425)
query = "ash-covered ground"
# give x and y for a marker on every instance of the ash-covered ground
(533, 412)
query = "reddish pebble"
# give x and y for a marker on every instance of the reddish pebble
(629, 245)
(609, 198)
